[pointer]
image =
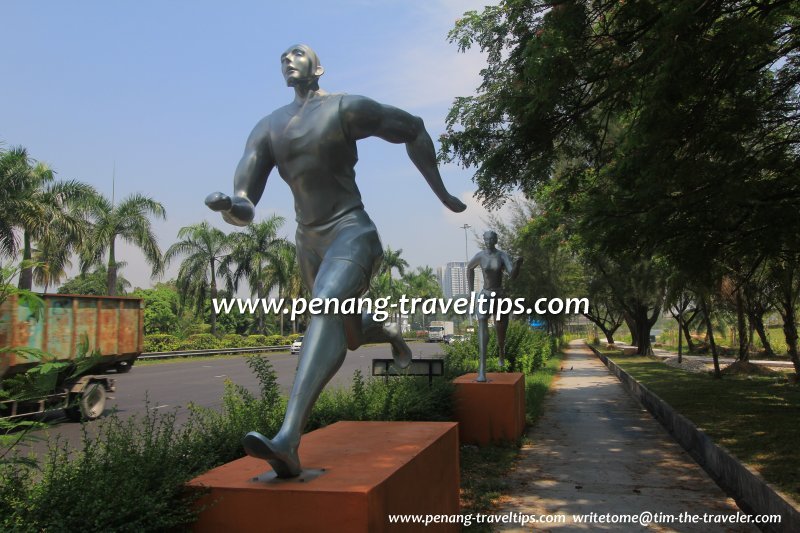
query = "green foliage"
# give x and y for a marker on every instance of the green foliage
(126, 478)
(220, 433)
(200, 341)
(256, 340)
(232, 340)
(160, 308)
(161, 342)
(400, 398)
(130, 474)
(93, 283)
(527, 350)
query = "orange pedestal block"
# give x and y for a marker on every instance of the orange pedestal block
(492, 411)
(369, 470)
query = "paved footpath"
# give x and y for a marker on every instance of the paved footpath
(595, 449)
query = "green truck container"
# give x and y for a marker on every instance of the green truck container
(113, 327)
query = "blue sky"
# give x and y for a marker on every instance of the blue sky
(167, 92)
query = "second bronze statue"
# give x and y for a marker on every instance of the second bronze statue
(493, 263)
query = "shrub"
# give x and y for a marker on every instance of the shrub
(161, 342)
(526, 351)
(292, 337)
(232, 340)
(401, 398)
(256, 340)
(275, 340)
(200, 341)
(130, 474)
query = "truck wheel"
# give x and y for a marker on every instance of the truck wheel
(90, 405)
(123, 367)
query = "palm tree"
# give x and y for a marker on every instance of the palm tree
(423, 284)
(51, 259)
(205, 248)
(392, 260)
(129, 221)
(43, 209)
(253, 251)
(283, 272)
(14, 166)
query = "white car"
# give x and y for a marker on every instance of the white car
(296, 345)
(455, 338)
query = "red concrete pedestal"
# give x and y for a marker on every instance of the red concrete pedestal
(492, 411)
(369, 470)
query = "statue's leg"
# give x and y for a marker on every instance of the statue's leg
(362, 329)
(501, 326)
(324, 350)
(483, 344)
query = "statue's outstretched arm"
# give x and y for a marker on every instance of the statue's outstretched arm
(363, 117)
(512, 269)
(249, 179)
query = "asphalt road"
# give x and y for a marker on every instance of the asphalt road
(174, 384)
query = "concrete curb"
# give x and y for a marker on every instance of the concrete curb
(745, 485)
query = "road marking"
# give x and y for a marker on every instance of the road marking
(207, 366)
(160, 406)
(222, 376)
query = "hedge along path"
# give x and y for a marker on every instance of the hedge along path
(596, 450)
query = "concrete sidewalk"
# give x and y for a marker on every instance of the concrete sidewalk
(596, 450)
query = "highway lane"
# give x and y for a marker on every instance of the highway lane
(174, 384)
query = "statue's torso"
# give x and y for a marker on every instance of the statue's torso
(316, 159)
(492, 267)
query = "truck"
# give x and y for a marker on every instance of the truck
(438, 329)
(110, 329)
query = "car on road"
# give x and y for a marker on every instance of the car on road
(455, 338)
(296, 345)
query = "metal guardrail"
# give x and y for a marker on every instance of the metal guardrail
(213, 351)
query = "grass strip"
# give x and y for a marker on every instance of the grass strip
(754, 417)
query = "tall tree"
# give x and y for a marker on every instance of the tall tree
(204, 249)
(662, 129)
(130, 221)
(252, 252)
(422, 283)
(283, 273)
(393, 260)
(45, 210)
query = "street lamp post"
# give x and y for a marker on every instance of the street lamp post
(465, 227)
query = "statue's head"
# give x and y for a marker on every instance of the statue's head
(300, 66)
(490, 239)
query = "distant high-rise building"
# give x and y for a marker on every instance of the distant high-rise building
(454, 279)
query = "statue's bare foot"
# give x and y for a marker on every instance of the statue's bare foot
(283, 459)
(400, 351)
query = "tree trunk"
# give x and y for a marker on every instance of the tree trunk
(631, 323)
(741, 326)
(26, 274)
(213, 297)
(680, 343)
(642, 326)
(111, 278)
(684, 325)
(710, 335)
(259, 311)
(279, 295)
(758, 323)
(790, 331)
